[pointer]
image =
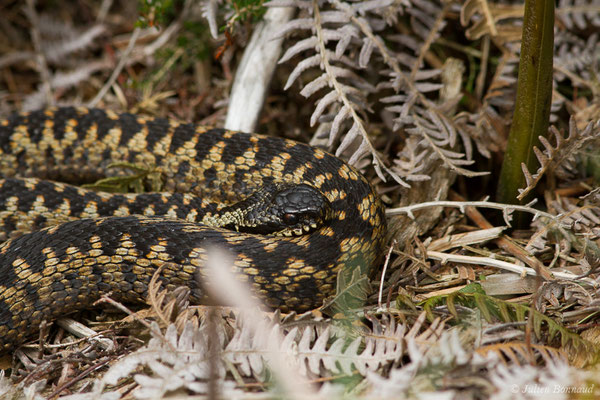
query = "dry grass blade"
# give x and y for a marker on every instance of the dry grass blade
(40, 58)
(492, 18)
(579, 14)
(518, 352)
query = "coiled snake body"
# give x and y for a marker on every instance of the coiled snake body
(115, 242)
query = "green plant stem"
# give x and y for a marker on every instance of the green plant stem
(534, 97)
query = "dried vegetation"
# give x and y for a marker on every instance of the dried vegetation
(403, 90)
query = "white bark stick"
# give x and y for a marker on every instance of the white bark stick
(255, 71)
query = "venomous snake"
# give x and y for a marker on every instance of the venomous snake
(85, 244)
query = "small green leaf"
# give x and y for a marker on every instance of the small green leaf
(128, 183)
(473, 287)
(403, 299)
(451, 307)
(352, 290)
(504, 312)
(483, 306)
(520, 313)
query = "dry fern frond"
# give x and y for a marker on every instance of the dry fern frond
(578, 60)
(344, 104)
(444, 356)
(415, 113)
(492, 122)
(400, 380)
(583, 218)
(348, 36)
(438, 134)
(340, 357)
(60, 39)
(171, 363)
(248, 347)
(553, 156)
(582, 14)
(409, 165)
(315, 352)
(561, 231)
(500, 21)
(519, 352)
(170, 306)
(492, 309)
(502, 88)
(521, 382)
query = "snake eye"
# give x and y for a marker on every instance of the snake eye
(290, 218)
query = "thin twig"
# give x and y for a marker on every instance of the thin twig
(16, 57)
(39, 54)
(444, 258)
(385, 265)
(169, 32)
(80, 330)
(504, 242)
(113, 77)
(103, 11)
(507, 209)
(79, 377)
(156, 332)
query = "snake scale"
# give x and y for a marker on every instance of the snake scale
(85, 244)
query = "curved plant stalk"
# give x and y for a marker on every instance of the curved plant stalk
(534, 96)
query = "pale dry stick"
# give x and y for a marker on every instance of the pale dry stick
(489, 18)
(464, 239)
(160, 41)
(80, 330)
(503, 242)
(39, 55)
(483, 72)
(506, 209)
(103, 11)
(113, 77)
(86, 338)
(116, 304)
(15, 58)
(255, 71)
(385, 265)
(444, 258)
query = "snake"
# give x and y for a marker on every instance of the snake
(289, 215)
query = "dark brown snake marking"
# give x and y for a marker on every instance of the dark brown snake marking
(64, 268)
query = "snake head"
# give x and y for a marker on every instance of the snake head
(282, 210)
(300, 209)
